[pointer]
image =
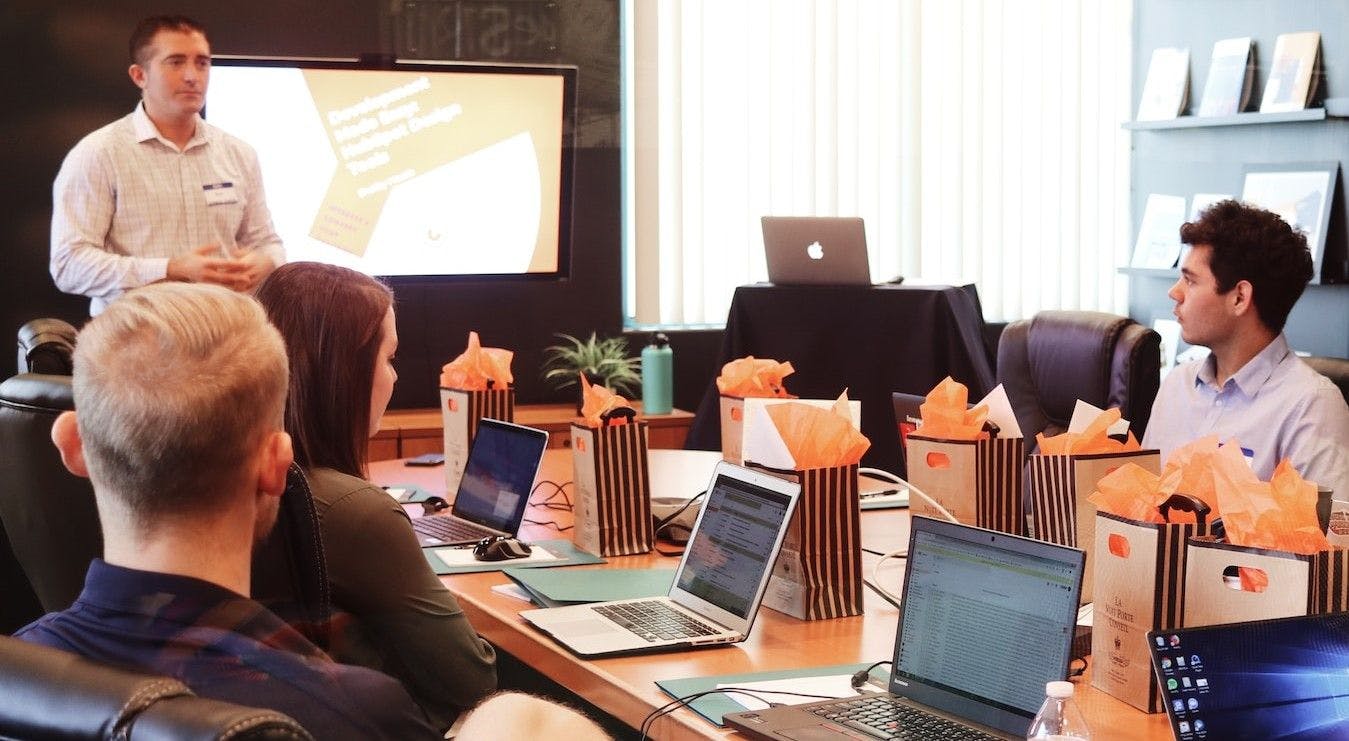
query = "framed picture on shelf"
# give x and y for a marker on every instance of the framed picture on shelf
(1301, 193)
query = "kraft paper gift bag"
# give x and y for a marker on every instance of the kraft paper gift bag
(476, 384)
(977, 481)
(1140, 586)
(1059, 489)
(613, 487)
(743, 378)
(818, 574)
(1229, 583)
(460, 411)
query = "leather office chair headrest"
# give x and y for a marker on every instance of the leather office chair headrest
(46, 693)
(38, 392)
(1070, 354)
(46, 346)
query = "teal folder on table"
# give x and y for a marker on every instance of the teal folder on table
(558, 587)
(567, 555)
(715, 705)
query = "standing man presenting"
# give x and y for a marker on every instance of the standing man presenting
(160, 194)
(1238, 281)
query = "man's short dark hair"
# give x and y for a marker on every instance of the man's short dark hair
(147, 28)
(1251, 244)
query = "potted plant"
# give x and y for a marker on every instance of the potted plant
(603, 361)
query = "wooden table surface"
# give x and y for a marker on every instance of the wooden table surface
(625, 687)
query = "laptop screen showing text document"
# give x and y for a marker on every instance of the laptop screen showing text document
(986, 620)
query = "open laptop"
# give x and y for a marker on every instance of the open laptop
(816, 250)
(986, 620)
(1268, 679)
(717, 588)
(498, 477)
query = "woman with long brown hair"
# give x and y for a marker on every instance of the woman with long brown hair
(340, 335)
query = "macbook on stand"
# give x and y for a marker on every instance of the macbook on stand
(717, 587)
(494, 491)
(986, 620)
(816, 250)
(1269, 679)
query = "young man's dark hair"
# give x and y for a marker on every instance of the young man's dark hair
(1254, 245)
(148, 27)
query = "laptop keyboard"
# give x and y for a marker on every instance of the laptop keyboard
(886, 717)
(449, 529)
(654, 620)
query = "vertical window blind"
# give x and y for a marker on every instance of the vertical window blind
(979, 139)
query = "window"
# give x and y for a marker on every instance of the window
(979, 139)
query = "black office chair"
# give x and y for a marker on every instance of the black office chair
(1050, 361)
(46, 693)
(48, 513)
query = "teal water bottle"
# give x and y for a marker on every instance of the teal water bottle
(658, 376)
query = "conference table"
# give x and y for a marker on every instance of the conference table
(870, 340)
(625, 688)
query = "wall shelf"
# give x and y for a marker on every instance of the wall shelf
(1238, 119)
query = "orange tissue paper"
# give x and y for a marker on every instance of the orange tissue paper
(478, 368)
(1130, 491)
(945, 414)
(1279, 514)
(598, 401)
(819, 438)
(754, 377)
(1092, 440)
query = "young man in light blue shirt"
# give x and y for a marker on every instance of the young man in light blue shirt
(1243, 272)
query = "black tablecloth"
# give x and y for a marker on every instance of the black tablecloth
(872, 340)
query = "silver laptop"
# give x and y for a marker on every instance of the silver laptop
(498, 477)
(816, 250)
(986, 620)
(717, 587)
(1268, 679)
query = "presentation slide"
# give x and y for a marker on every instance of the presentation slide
(404, 172)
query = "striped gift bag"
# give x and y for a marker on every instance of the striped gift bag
(978, 481)
(818, 574)
(1140, 586)
(460, 410)
(1059, 486)
(613, 488)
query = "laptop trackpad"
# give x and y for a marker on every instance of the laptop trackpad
(583, 628)
(817, 733)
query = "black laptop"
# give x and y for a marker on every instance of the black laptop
(986, 620)
(1269, 679)
(493, 493)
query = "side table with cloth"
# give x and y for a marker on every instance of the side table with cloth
(873, 340)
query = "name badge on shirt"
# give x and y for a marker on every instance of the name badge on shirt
(219, 193)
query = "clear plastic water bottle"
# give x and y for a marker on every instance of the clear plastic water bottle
(658, 376)
(1059, 718)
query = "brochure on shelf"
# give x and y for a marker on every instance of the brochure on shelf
(1293, 72)
(1231, 73)
(1167, 89)
(1158, 244)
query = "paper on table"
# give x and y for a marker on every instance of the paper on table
(398, 493)
(1084, 414)
(464, 556)
(835, 685)
(513, 590)
(1000, 412)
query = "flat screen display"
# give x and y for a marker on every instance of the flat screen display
(417, 171)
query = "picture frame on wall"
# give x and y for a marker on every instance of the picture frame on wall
(1301, 193)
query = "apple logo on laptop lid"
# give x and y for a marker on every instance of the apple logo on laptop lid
(815, 250)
